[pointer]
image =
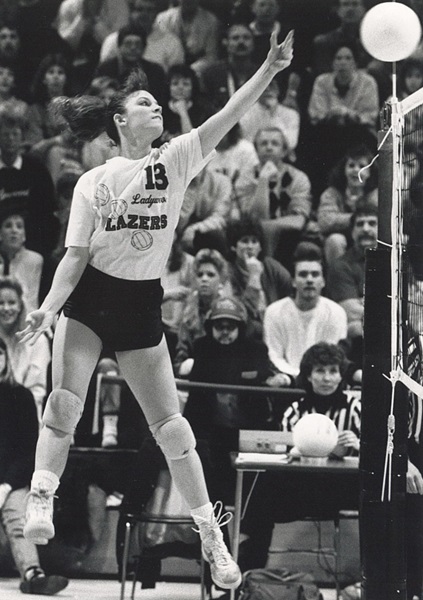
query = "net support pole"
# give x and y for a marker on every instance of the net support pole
(382, 538)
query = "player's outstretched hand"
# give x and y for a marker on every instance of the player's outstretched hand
(280, 55)
(37, 322)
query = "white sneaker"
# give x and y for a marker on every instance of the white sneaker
(114, 500)
(224, 570)
(39, 526)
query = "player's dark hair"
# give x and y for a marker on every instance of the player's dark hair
(89, 116)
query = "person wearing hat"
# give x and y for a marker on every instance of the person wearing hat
(226, 355)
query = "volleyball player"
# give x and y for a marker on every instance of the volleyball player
(120, 233)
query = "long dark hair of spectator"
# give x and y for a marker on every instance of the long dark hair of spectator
(407, 66)
(337, 177)
(187, 73)
(39, 91)
(89, 116)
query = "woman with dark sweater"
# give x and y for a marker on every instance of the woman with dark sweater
(226, 355)
(18, 437)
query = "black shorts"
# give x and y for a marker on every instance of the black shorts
(125, 314)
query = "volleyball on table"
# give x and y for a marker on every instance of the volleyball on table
(315, 435)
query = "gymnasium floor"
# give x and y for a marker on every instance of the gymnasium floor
(92, 589)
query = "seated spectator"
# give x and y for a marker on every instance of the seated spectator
(30, 364)
(11, 54)
(185, 107)
(226, 355)
(211, 276)
(269, 112)
(256, 279)
(100, 149)
(64, 154)
(178, 283)
(131, 45)
(18, 434)
(410, 77)
(197, 29)
(346, 274)
(17, 261)
(223, 77)
(344, 94)
(27, 185)
(279, 499)
(9, 101)
(277, 194)
(232, 153)
(343, 110)
(64, 191)
(350, 14)
(99, 17)
(51, 80)
(37, 34)
(162, 47)
(271, 16)
(84, 24)
(350, 181)
(265, 21)
(292, 325)
(205, 210)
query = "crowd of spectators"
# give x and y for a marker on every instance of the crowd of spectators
(277, 222)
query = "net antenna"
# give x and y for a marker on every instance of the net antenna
(406, 259)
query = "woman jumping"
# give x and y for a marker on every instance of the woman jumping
(120, 233)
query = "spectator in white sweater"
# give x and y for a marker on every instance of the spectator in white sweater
(292, 325)
(30, 364)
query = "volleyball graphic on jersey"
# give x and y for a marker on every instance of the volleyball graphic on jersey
(118, 208)
(315, 435)
(141, 239)
(102, 194)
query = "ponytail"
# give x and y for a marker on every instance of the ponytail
(84, 115)
(89, 116)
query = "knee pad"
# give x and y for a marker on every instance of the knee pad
(175, 438)
(63, 411)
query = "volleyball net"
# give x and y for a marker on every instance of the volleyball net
(406, 260)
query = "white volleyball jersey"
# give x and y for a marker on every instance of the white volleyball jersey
(126, 211)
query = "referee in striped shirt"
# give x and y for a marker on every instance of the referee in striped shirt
(414, 496)
(282, 498)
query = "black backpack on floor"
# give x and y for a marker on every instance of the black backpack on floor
(278, 584)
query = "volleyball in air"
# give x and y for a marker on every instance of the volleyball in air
(315, 435)
(390, 31)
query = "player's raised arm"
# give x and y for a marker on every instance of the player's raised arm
(279, 58)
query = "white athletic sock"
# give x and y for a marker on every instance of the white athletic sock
(202, 512)
(44, 480)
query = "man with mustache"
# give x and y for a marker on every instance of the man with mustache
(346, 274)
(222, 78)
(292, 325)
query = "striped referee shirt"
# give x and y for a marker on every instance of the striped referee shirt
(342, 407)
(415, 404)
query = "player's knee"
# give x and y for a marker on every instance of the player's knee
(63, 411)
(175, 438)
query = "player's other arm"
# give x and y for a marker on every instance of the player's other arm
(66, 277)
(278, 59)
